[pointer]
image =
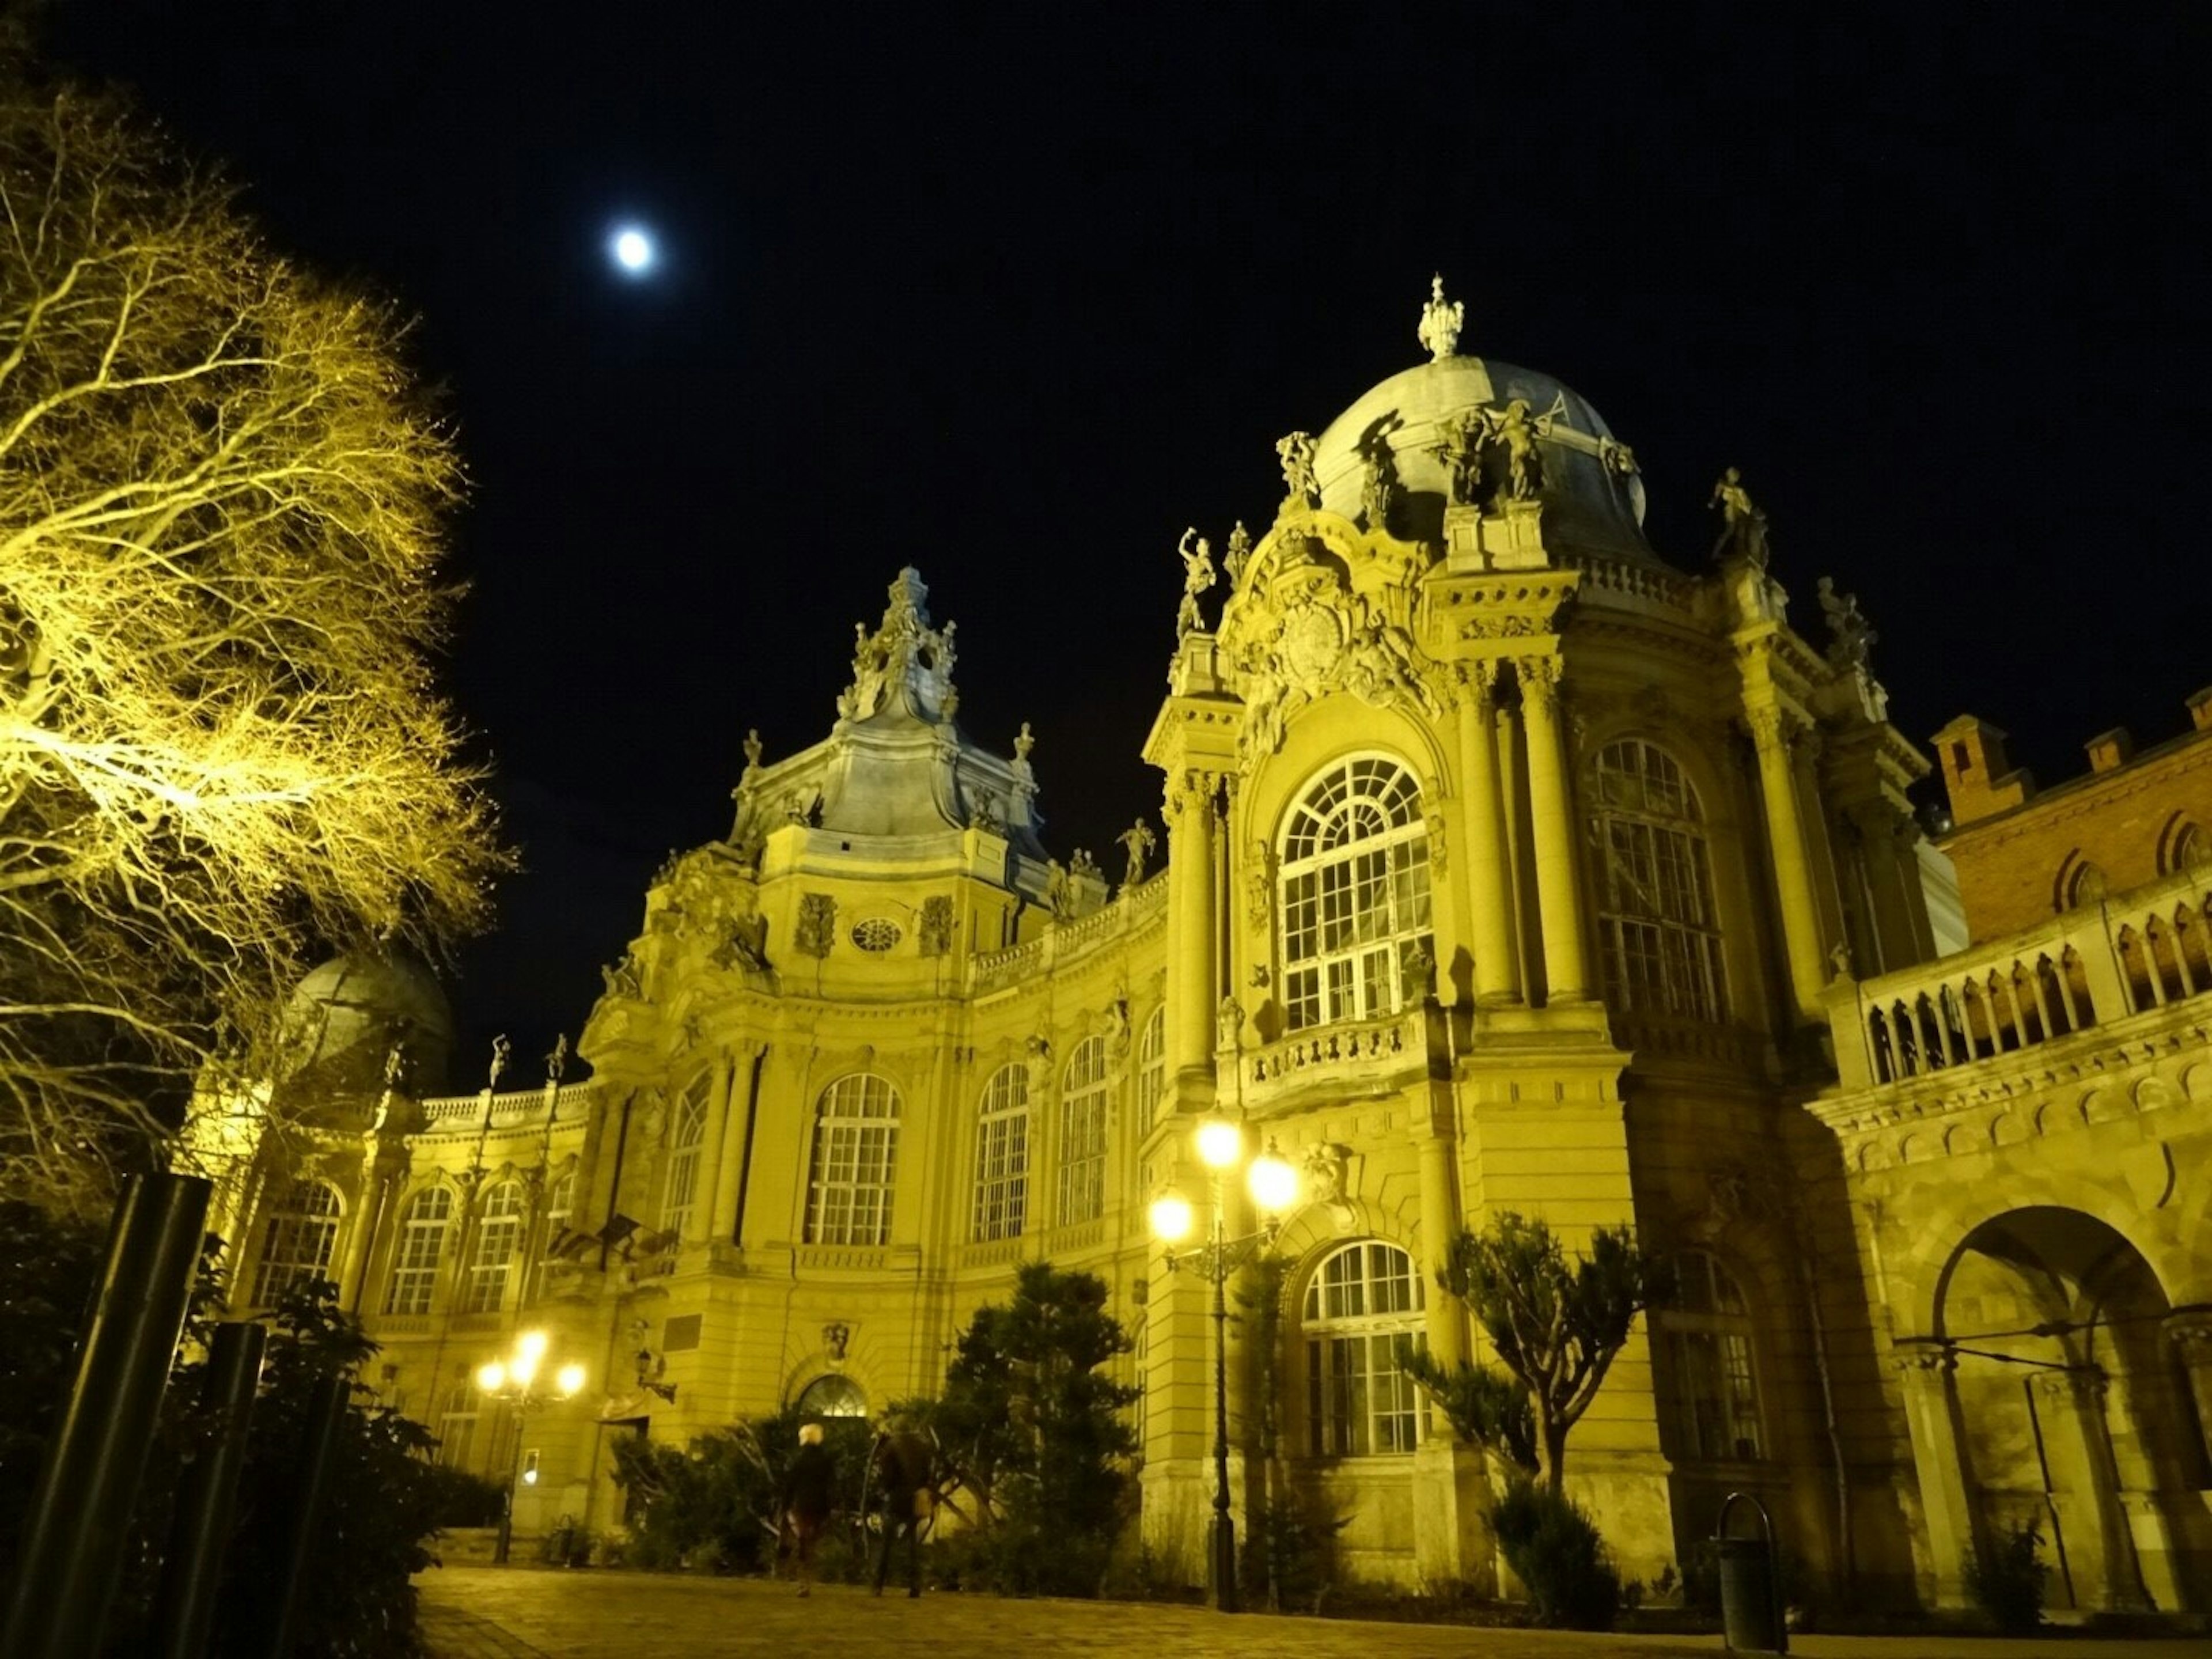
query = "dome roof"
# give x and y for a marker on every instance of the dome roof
(359, 1004)
(1592, 504)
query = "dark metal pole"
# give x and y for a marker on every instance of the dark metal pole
(80, 1515)
(327, 1410)
(1224, 1528)
(199, 1535)
(513, 1484)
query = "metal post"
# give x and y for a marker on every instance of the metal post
(327, 1410)
(514, 1485)
(1224, 1528)
(80, 1514)
(199, 1535)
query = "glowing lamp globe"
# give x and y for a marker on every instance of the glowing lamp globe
(1273, 1181)
(569, 1379)
(633, 250)
(1220, 1143)
(491, 1376)
(1172, 1218)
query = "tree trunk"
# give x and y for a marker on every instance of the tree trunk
(1551, 1453)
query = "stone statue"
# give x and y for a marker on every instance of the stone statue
(621, 977)
(1516, 431)
(395, 1065)
(1743, 526)
(1240, 550)
(1839, 959)
(1296, 453)
(558, 1062)
(817, 925)
(1849, 636)
(1376, 486)
(1417, 973)
(1024, 740)
(1083, 865)
(1229, 1019)
(936, 924)
(1138, 841)
(752, 751)
(745, 939)
(500, 1050)
(1460, 452)
(1197, 577)
(1440, 321)
(1059, 890)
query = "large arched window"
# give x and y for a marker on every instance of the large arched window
(1083, 1134)
(832, 1396)
(848, 1199)
(1355, 895)
(1360, 1302)
(1705, 1333)
(1152, 1068)
(553, 1227)
(1002, 1155)
(499, 1230)
(422, 1227)
(299, 1240)
(687, 1130)
(1662, 936)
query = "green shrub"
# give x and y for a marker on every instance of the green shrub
(713, 1503)
(1290, 1552)
(466, 1500)
(2006, 1581)
(1555, 1551)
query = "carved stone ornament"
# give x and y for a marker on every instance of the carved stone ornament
(835, 1337)
(1327, 1168)
(1441, 321)
(817, 925)
(1296, 453)
(1439, 842)
(1259, 884)
(905, 656)
(936, 925)
(623, 978)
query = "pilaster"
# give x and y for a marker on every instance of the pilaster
(1490, 869)
(1948, 1514)
(1559, 892)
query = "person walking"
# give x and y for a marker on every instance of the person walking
(900, 1469)
(808, 1496)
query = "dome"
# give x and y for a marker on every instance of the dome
(353, 1008)
(1591, 503)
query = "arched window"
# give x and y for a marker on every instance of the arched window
(687, 1130)
(832, 1396)
(553, 1227)
(1083, 1134)
(2079, 883)
(1662, 937)
(1355, 895)
(1706, 1334)
(298, 1242)
(1359, 1303)
(499, 1230)
(2185, 846)
(1002, 1155)
(1152, 1068)
(848, 1200)
(422, 1226)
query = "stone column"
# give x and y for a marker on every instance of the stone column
(382, 1168)
(1559, 890)
(737, 1121)
(706, 1198)
(2077, 1449)
(1445, 1324)
(1191, 972)
(1489, 873)
(1947, 1501)
(2190, 1333)
(1793, 874)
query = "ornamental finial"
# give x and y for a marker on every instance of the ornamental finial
(1440, 321)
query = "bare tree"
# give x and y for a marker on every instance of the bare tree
(222, 497)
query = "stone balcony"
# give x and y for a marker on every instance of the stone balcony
(1349, 1060)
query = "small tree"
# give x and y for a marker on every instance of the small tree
(1556, 1325)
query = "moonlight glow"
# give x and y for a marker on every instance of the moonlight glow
(633, 250)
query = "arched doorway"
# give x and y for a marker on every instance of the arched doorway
(2070, 1410)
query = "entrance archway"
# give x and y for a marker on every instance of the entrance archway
(2072, 1411)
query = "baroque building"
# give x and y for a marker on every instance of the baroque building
(1509, 867)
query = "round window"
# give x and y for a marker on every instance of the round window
(876, 933)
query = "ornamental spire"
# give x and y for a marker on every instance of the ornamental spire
(1440, 321)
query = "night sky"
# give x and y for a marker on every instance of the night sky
(1017, 301)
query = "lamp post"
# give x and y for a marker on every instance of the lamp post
(1272, 1182)
(510, 1380)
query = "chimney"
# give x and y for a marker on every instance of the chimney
(1980, 781)
(2111, 750)
(2200, 709)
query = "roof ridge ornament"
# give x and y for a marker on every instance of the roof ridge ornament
(1441, 321)
(905, 654)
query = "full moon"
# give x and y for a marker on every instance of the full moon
(633, 250)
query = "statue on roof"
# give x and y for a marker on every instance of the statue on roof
(1024, 740)
(1377, 485)
(753, 749)
(1198, 576)
(1514, 430)
(1441, 321)
(1460, 452)
(1138, 841)
(1849, 636)
(1743, 526)
(1296, 453)
(1240, 549)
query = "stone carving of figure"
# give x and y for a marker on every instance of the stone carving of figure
(1377, 487)
(936, 924)
(752, 751)
(1259, 882)
(835, 1336)
(1839, 960)
(1117, 1025)
(1059, 890)
(1848, 634)
(1516, 430)
(558, 1062)
(501, 1050)
(817, 924)
(1296, 453)
(1418, 974)
(1230, 1016)
(1138, 841)
(395, 1065)
(621, 977)
(1460, 452)
(1240, 549)
(1197, 576)
(1083, 865)
(1743, 526)
(1024, 740)
(744, 940)
(1440, 321)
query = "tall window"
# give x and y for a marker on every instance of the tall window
(1355, 895)
(1002, 1155)
(687, 1130)
(1661, 938)
(457, 1427)
(499, 1230)
(848, 1200)
(1152, 1068)
(559, 1205)
(1083, 1134)
(297, 1244)
(1360, 1302)
(1706, 1331)
(422, 1226)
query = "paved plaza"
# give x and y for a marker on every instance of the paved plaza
(493, 1613)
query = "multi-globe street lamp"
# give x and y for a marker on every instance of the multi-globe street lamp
(1273, 1181)
(512, 1380)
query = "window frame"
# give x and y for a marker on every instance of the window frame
(1002, 1156)
(856, 1209)
(687, 1137)
(1727, 1336)
(496, 1237)
(1353, 908)
(1084, 1087)
(413, 1272)
(1661, 944)
(1152, 1068)
(1359, 1403)
(289, 1223)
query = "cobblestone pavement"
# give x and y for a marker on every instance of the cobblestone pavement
(496, 1613)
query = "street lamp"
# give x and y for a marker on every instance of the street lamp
(511, 1380)
(1273, 1181)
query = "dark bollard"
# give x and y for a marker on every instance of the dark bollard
(327, 1410)
(184, 1614)
(80, 1515)
(1751, 1589)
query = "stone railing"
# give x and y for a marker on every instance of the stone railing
(2086, 967)
(1639, 581)
(1063, 942)
(449, 1112)
(868, 1257)
(1698, 1041)
(1373, 1055)
(996, 1253)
